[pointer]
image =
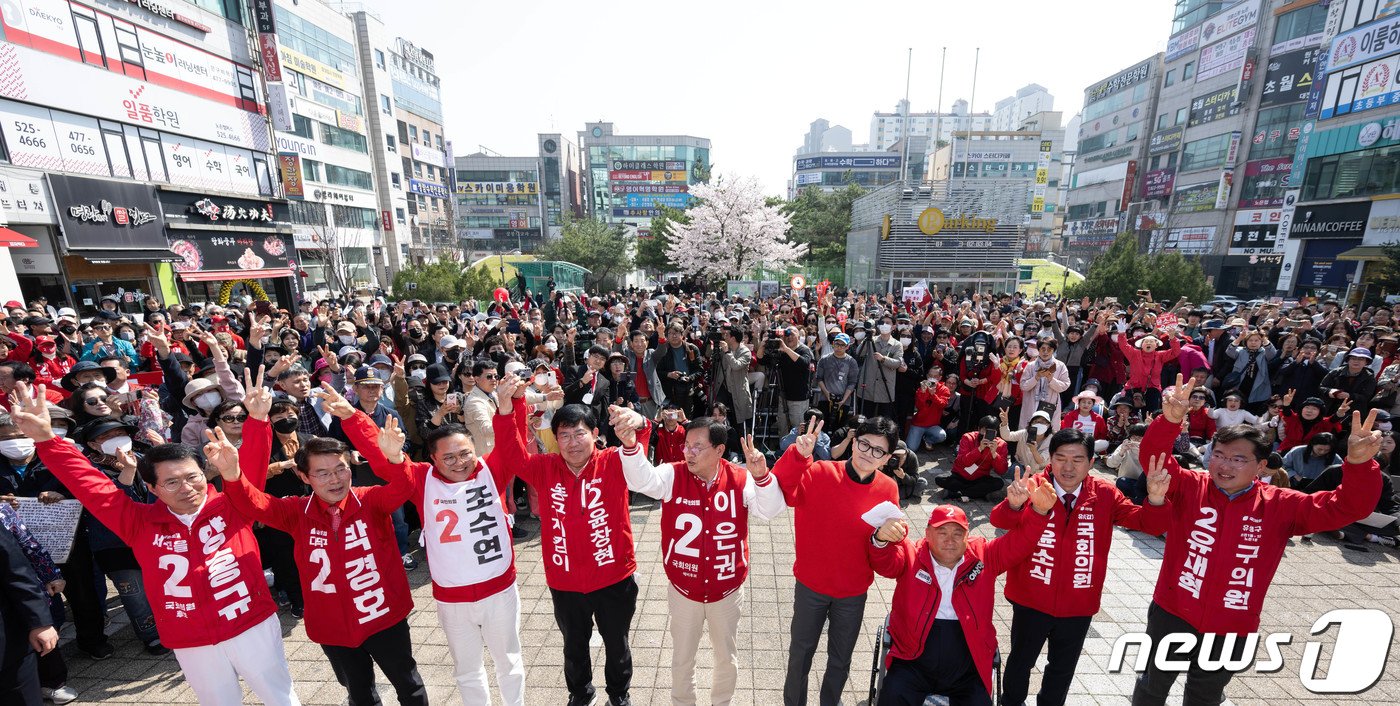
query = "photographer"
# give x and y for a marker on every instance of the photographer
(903, 468)
(677, 367)
(794, 364)
(878, 373)
(837, 374)
(731, 382)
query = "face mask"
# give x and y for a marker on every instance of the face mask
(451, 354)
(128, 336)
(498, 356)
(60, 432)
(415, 333)
(551, 346)
(541, 380)
(905, 341)
(418, 374)
(70, 330)
(860, 335)
(347, 340)
(112, 446)
(811, 339)
(286, 425)
(1037, 430)
(383, 374)
(208, 401)
(885, 328)
(17, 449)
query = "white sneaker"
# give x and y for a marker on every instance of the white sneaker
(61, 695)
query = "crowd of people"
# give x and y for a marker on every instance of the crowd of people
(238, 461)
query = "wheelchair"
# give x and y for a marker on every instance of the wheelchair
(877, 671)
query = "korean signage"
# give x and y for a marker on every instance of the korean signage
(1164, 141)
(271, 61)
(881, 162)
(1233, 19)
(1232, 153)
(517, 188)
(1365, 43)
(46, 79)
(1320, 268)
(1193, 240)
(1129, 184)
(657, 200)
(386, 221)
(1265, 181)
(1108, 87)
(475, 233)
(1158, 183)
(1042, 177)
(808, 178)
(650, 165)
(673, 188)
(1255, 232)
(1195, 198)
(636, 212)
(306, 65)
(665, 176)
(226, 212)
(1332, 220)
(1221, 104)
(1225, 56)
(238, 254)
(1152, 220)
(1383, 227)
(424, 153)
(24, 198)
(107, 215)
(335, 196)
(1285, 220)
(1183, 44)
(1223, 186)
(289, 166)
(1360, 88)
(987, 157)
(1289, 77)
(1094, 232)
(263, 19)
(427, 188)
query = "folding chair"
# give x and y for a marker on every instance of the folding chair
(877, 671)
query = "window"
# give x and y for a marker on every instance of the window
(400, 216)
(384, 106)
(1276, 132)
(339, 137)
(263, 172)
(301, 127)
(353, 217)
(1188, 71)
(345, 176)
(1171, 159)
(1132, 132)
(418, 169)
(396, 180)
(413, 132)
(153, 155)
(438, 140)
(311, 170)
(1362, 173)
(1095, 143)
(379, 58)
(1302, 23)
(1205, 154)
(307, 213)
(129, 49)
(89, 38)
(1162, 119)
(391, 143)
(118, 161)
(1181, 115)
(1170, 79)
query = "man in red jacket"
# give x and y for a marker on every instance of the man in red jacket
(589, 557)
(352, 577)
(199, 559)
(1055, 592)
(1228, 533)
(942, 638)
(833, 575)
(977, 469)
(705, 507)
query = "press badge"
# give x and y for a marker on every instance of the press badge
(588, 398)
(923, 576)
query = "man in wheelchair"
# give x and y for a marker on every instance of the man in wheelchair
(942, 636)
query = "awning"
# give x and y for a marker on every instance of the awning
(217, 275)
(1364, 253)
(110, 256)
(15, 239)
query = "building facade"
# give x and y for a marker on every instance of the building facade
(421, 158)
(499, 205)
(1029, 100)
(631, 177)
(888, 128)
(833, 171)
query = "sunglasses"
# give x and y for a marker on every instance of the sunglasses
(233, 418)
(94, 401)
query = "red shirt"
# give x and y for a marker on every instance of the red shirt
(1072, 420)
(205, 582)
(973, 462)
(1064, 575)
(669, 445)
(352, 578)
(831, 536)
(1199, 423)
(1293, 434)
(1221, 553)
(639, 381)
(929, 404)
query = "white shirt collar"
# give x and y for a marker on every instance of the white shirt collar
(189, 519)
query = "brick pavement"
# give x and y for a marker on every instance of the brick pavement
(1312, 579)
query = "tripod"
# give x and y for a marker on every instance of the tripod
(766, 408)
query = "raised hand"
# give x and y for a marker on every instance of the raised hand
(1043, 495)
(1176, 403)
(221, 454)
(256, 398)
(508, 385)
(334, 402)
(1159, 481)
(158, 340)
(754, 460)
(893, 530)
(807, 443)
(283, 364)
(1288, 398)
(391, 440)
(30, 412)
(1365, 440)
(1016, 492)
(625, 423)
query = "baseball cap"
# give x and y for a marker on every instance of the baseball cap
(842, 339)
(947, 514)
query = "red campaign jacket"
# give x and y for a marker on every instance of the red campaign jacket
(929, 405)
(1293, 434)
(1199, 423)
(1100, 426)
(448, 525)
(1064, 574)
(1144, 370)
(830, 534)
(354, 584)
(1221, 554)
(669, 443)
(987, 391)
(916, 593)
(973, 463)
(584, 518)
(204, 582)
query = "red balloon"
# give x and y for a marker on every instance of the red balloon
(501, 295)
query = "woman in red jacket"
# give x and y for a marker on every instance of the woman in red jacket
(1145, 363)
(929, 402)
(1308, 422)
(942, 639)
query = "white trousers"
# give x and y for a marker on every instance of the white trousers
(495, 622)
(256, 655)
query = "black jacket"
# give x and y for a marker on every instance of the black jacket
(23, 605)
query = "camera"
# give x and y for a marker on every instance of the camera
(774, 343)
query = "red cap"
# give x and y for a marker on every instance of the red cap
(945, 514)
(13, 304)
(45, 342)
(218, 320)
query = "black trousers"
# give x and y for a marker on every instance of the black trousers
(811, 612)
(945, 668)
(80, 588)
(1030, 630)
(391, 649)
(612, 608)
(19, 675)
(976, 489)
(278, 554)
(1202, 688)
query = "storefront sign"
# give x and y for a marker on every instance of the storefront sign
(1158, 183)
(110, 215)
(636, 212)
(289, 166)
(1288, 77)
(1190, 240)
(207, 209)
(279, 108)
(424, 153)
(1383, 227)
(1183, 44)
(342, 197)
(1333, 220)
(1363, 44)
(1108, 87)
(234, 253)
(1165, 141)
(1255, 232)
(651, 165)
(310, 67)
(427, 188)
(658, 200)
(24, 198)
(1223, 187)
(932, 221)
(670, 188)
(1320, 267)
(630, 175)
(1264, 182)
(1285, 220)
(1195, 198)
(527, 188)
(1229, 21)
(386, 221)
(1129, 183)
(1366, 87)
(1218, 105)
(1225, 56)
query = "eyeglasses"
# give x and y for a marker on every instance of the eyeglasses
(193, 480)
(460, 456)
(1232, 461)
(696, 449)
(95, 400)
(100, 327)
(491, 376)
(341, 470)
(873, 450)
(233, 418)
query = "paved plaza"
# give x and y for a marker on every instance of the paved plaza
(1312, 580)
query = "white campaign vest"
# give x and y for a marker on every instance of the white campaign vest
(466, 530)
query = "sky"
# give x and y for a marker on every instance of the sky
(752, 76)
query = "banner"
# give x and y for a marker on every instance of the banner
(1222, 189)
(1363, 44)
(53, 524)
(1285, 220)
(1255, 232)
(289, 166)
(427, 188)
(1183, 44)
(1288, 78)
(1158, 183)
(1218, 105)
(525, 188)
(107, 215)
(1264, 182)
(1196, 197)
(1225, 56)
(231, 252)
(1244, 15)
(1165, 141)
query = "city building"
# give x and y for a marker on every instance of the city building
(825, 137)
(565, 181)
(499, 205)
(888, 128)
(1113, 145)
(137, 158)
(1341, 204)
(326, 152)
(832, 171)
(421, 163)
(1011, 110)
(630, 177)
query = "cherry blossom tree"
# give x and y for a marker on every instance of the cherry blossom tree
(731, 232)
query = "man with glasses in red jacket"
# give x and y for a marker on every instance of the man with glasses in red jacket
(1227, 535)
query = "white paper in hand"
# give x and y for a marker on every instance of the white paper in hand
(878, 515)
